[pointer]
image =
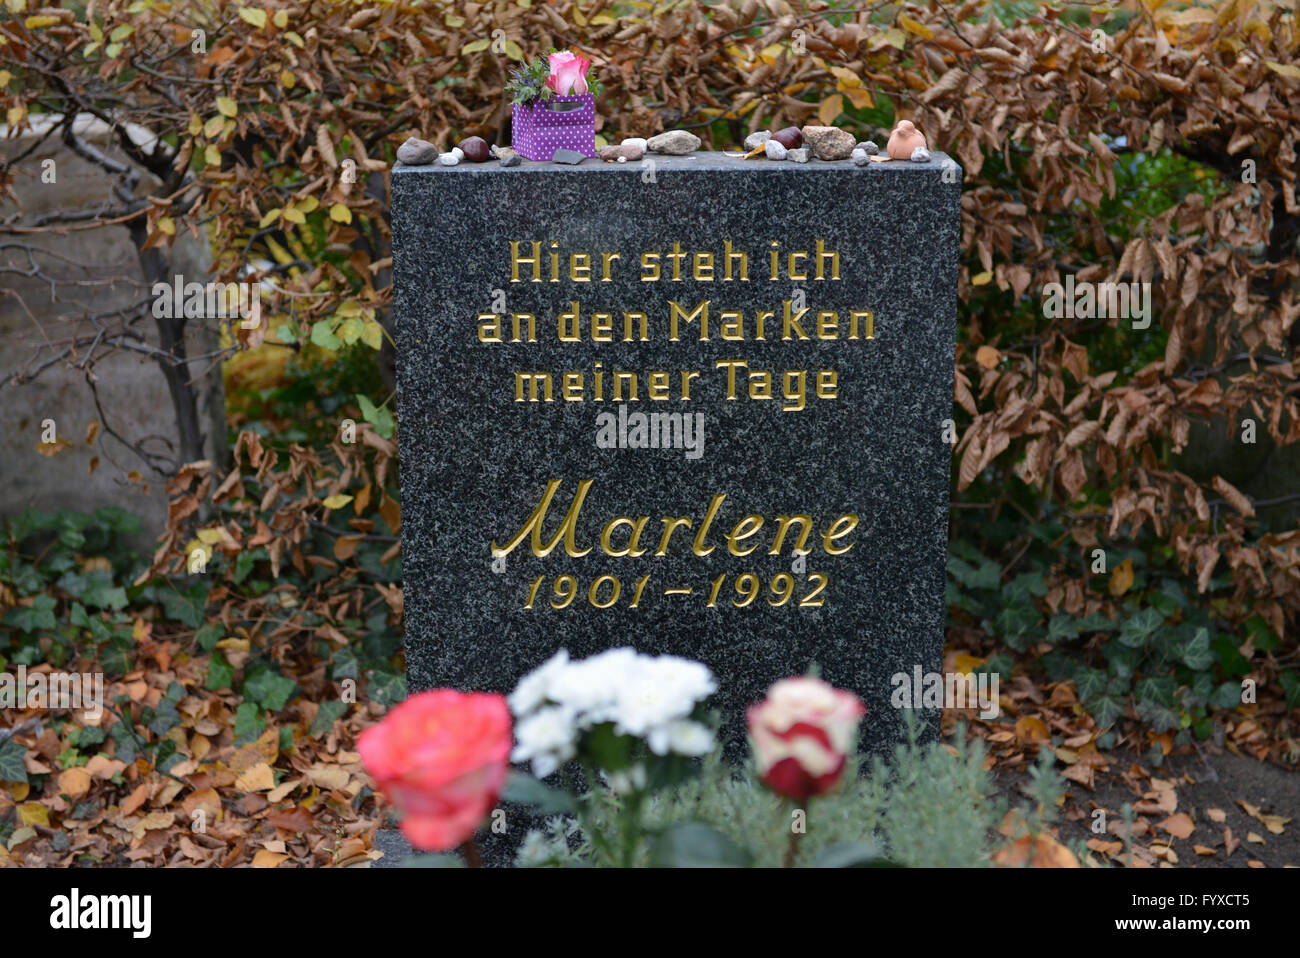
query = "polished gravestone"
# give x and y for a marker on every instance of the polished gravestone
(697, 405)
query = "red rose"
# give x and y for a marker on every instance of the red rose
(441, 757)
(801, 734)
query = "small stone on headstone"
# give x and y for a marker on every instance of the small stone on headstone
(860, 158)
(449, 159)
(458, 152)
(868, 147)
(756, 138)
(417, 152)
(501, 151)
(920, 155)
(621, 152)
(635, 141)
(572, 157)
(775, 151)
(829, 142)
(511, 159)
(674, 143)
(801, 155)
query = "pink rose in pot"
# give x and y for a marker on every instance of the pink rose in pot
(801, 734)
(568, 73)
(442, 758)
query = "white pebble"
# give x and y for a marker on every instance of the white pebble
(775, 151)
(635, 141)
(622, 159)
(460, 154)
(449, 159)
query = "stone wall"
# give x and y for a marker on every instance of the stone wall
(71, 280)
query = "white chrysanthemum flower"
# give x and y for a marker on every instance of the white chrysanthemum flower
(592, 685)
(689, 738)
(643, 696)
(546, 738)
(532, 690)
(644, 704)
(660, 691)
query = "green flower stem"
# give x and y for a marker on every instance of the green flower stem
(792, 848)
(585, 819)
(631, 827)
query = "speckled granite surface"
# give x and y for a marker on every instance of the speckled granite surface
(475, 462)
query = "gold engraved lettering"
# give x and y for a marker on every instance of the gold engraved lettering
(700, 315)
(783, 523)
(746, 527)
(849, 523)
(535, 261)
(489, 328)
(741, 259)
(536, 382)
(533, 527)
(698, 546)
(633, 547)
(670, 524)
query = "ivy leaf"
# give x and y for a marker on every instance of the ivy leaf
(1196, 653)
(329, 712)
(387, 688)
(268, 689)
(1105, 710)
(12, 768)
(1138, 630)
(221, 674)
(100, 592)
(187, 607)
(248, 727)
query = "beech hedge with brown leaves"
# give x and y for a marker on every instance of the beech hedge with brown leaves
(279, 120)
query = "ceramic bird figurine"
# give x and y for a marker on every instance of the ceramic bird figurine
(904, 140)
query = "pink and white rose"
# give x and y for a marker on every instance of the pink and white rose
(568, 73)
(801, 734)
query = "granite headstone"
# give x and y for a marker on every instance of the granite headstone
(691, 404)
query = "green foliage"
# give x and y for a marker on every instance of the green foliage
(696, 845)
(1164, 653)
(926, 807)
(69, 574)
(12, 768)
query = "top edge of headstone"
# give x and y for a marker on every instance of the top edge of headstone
(701, 161)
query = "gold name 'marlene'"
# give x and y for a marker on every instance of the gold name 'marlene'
(743, 539)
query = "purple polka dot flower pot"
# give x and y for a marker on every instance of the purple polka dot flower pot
(568, 122)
